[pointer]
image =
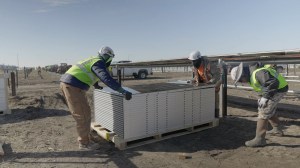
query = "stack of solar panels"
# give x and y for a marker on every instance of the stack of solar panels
(148, 114)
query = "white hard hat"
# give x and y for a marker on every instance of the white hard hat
(195, 55)
(106, 50)
(236, 73)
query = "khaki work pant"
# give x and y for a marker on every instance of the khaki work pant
(270, 110)
(79, 107)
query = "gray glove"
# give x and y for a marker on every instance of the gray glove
(262, 102)
(127, 95)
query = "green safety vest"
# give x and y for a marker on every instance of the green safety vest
(256, 85)
(83, 71)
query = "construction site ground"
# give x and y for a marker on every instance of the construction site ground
(41, 133)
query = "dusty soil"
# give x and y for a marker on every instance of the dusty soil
(40, 132)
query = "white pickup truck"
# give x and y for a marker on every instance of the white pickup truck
(136, 72)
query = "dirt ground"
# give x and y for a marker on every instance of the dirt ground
(40, 133)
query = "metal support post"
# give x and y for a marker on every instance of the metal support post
(224, 110)
(119, 75)
(13, 84)
(223, 90)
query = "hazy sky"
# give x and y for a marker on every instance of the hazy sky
(44, 32)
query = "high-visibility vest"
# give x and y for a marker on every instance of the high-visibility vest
(83, 71)
(257, 86)
(204, 72)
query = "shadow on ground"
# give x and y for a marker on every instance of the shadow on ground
(30, 113)
(231, 134)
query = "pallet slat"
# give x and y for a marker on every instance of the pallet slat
(103, 132)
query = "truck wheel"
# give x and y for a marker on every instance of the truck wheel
(142, 75)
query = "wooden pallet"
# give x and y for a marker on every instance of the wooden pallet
(124, 144)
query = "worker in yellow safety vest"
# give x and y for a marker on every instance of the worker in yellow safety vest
(272, 87)
(77, 80)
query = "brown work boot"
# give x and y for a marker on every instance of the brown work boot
(276, 131)
(256, 142)
(277, 127)
(259, 139)
(90, 146)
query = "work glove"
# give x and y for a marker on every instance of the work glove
(97, 86)
(262, 102)
(127, 95)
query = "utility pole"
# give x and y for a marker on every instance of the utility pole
(17, 74)
(18, 59)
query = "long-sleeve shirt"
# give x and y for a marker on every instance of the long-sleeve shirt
(269, 84)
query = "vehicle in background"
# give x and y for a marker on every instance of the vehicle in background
(62, 68)
(136, 72)
(51, 68)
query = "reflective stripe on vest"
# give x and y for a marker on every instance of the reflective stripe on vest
(83, 71)
(257, 86)
(90, 74)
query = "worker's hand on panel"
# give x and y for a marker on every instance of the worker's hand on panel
(127, 95)
(194, 82)
(262, 102)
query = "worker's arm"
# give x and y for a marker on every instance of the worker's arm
(268, 82)
(196, 80)
(215, 73)
(100, 70)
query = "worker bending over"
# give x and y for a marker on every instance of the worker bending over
(272, 87)
(77, 80)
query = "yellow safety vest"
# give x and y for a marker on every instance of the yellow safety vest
(83, 71)
(257, 86)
